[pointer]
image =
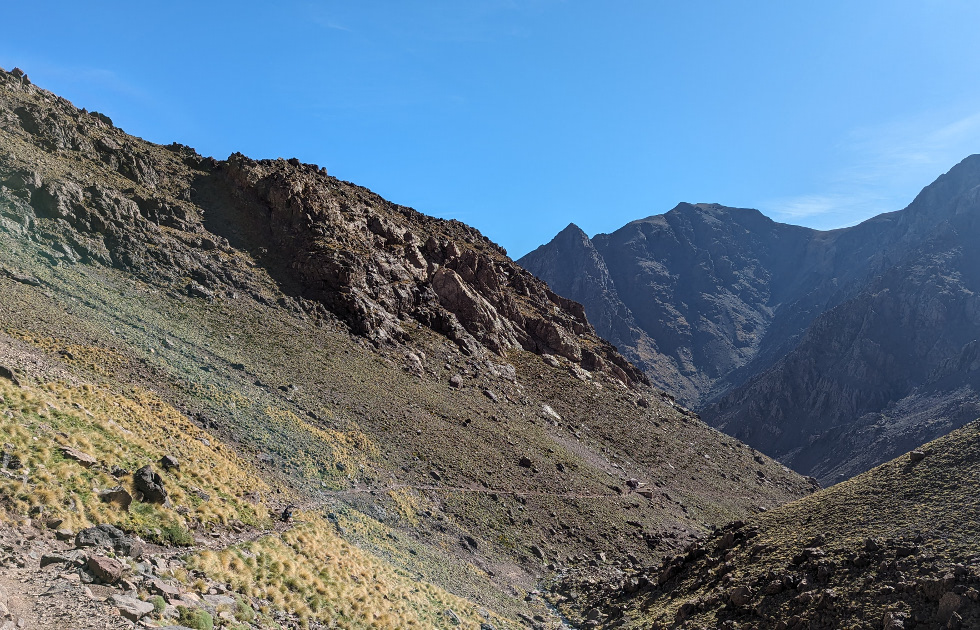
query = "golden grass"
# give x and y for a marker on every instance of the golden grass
(126, 431)
(312, 572)
(96, 359)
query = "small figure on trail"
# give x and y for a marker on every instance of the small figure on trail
(287, 514)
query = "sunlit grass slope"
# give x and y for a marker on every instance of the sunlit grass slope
(126, 431)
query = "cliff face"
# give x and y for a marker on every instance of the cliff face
(760, 324)
(688, 295)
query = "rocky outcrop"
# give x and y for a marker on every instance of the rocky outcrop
(170, 216)
(376, 265)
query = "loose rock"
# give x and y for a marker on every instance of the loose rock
(150, 485)
(130, 607)
(107, 570)
(118, 496)
(84, 459)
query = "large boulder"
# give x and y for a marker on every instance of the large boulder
(106, 570)
(108, 537)
(150, 485)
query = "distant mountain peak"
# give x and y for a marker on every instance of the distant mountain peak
(707, 297)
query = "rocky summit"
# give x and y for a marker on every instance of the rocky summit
(244, 394)
(831, 351)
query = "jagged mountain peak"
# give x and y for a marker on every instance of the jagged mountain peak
(572, 230)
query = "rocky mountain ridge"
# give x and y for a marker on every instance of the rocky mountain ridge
(724, 306)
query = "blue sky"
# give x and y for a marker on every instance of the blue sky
(519, 117)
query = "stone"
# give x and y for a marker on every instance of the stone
(64, 534)
(169, 462)
(550, 413)
(893, 620)
(118, 496)
(199, 291)
(169, 592)
(63, 557)
(453, 617)
(524, 462)
(219, 600)
(106, 570)
(740, 596)
(916, 456)
(130, 607)
(948, 605)
(7, 373)
(108, 537)
(84, 459)
(150, 485)
(53, 523)
(456, 381)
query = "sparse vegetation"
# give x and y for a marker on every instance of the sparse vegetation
(126, 432)
(315, 574)
(195, 618)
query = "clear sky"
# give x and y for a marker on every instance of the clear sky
(519, 117)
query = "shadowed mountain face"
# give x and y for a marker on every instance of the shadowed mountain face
(688, 295)
(419, 395)
(788, 337)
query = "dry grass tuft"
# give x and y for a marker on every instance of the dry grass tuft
(313, 573)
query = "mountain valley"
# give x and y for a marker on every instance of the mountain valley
(449, 431)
